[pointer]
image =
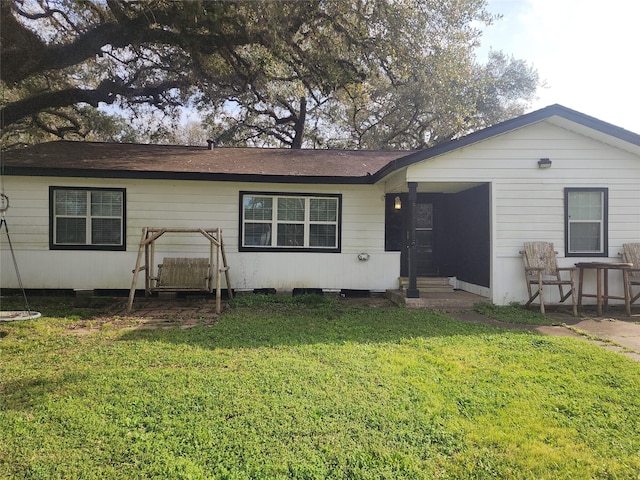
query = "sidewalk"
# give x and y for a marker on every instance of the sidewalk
(619, 329)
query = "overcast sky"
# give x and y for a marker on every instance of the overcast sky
(586, 51)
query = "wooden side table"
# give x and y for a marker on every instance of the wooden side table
(602, 284)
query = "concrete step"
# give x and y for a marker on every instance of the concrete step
(457, 300)
(428, 284)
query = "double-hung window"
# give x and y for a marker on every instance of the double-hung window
(586, 230)
(289, 222)
(87, 218)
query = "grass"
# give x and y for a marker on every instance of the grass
(513, 313)
(312, 388)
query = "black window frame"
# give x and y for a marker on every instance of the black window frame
(605, 222)
(55, 246)
(262, 248)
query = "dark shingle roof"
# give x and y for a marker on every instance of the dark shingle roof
(65, 158)
(114, 160)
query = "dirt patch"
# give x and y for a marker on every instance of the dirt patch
(137, 321)
(148, 314)
(375, 301)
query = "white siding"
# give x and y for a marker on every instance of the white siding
(154, 203)
(528, 202)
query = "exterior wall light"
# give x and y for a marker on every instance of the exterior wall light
(544, 163)
(397, 203)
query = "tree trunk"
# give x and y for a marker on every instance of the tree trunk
(299, 125)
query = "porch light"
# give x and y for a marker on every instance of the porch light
(544, 163)
(397, 203)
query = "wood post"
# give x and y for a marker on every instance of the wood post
(226, 267)
(218, 271)
(132, 291)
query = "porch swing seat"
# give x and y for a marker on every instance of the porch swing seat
(541, 271)
(181, 274)
(184, 274)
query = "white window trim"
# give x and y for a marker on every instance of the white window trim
(603, 223)
(306, 223)
(88, 244)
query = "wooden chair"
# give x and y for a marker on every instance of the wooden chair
(541, 269)
(631, 254)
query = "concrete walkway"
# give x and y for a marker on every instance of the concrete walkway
(621, 331)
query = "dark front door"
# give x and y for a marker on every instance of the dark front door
(397, 232)
(424, 239)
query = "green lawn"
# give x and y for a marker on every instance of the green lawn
(312, 389)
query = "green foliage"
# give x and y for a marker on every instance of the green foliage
(417, 82)
(314, 389)
(369, 74)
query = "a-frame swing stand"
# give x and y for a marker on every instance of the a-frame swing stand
(181, 274)
(27, 314)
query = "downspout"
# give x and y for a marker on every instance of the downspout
(412, 291)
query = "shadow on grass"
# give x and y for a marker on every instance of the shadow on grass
(64, 306)
(32, 390)
(322, 323)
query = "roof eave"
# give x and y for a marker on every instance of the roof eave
(197, 176)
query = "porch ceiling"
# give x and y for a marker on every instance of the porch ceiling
(432, 187)
(446, 187)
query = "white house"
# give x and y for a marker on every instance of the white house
(330, 219)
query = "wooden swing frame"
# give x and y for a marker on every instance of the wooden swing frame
(217, 262)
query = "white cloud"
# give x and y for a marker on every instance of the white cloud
(586, 51)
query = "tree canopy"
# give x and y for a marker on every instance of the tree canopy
(314, 73)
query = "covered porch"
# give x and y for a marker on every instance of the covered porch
(442, 231)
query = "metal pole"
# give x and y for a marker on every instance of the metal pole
(3, 221)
